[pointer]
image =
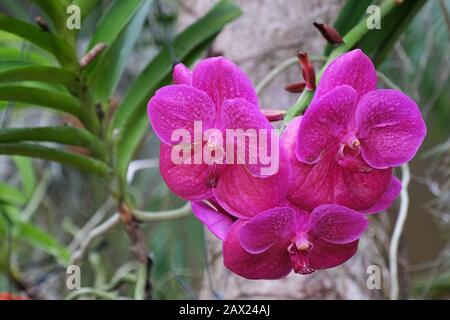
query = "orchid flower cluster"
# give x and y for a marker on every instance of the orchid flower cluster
(335, 163)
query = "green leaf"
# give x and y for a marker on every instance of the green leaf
(56, 11)
(10, 54)
(6, 65)
(27, 176)
(16, 9)
(379, 42)
(115, 20)
(110, 66)
(24, 72)
(60, 49)
(38, 238)
(65, 157)
(349, 16)
(63, 135)
(35, 236)
(11, 195)
(42, 97)
(86, 7)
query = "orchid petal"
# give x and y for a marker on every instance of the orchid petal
(216, 221)
(182, 75)
(386, 200)
(187, 181)
(337, 224)
(267, 229)
(221, 79)
(177, 107)
(249, 134)
(244, 195)
(274, 263)
(353, 68)
(324, 123)
(326, 182)
(324, 255)
(390, 128)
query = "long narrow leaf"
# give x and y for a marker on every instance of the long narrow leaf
(349, 16)
(112, 63)
(6, 65)
(35, 236)
(11, 195)
(32, 57)
(379, 42)
(86, 7)
(63, 135)
(55, 9)
(115, 20)
(24, 166)
(65, 157)
(60, 49)
(42, 97)
(39, 73)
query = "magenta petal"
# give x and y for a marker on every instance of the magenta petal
(390, 128)
(182, 75)
(337, 224)
(244, 195)
(324, 255)
(394, 188)
(217, 222)
(252, 136)
(353, 68)
(267, 229)
(326, 182)
(178, 106)
(324, 123)
(273, 263)
(221, 79)
(188, 181)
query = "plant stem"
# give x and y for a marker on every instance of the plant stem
(388, 82)
(37, 197)
(393, 248)
(91, 292)
(279, 69)
(167, 215)
(141, 282)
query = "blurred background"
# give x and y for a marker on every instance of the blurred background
(58, 203)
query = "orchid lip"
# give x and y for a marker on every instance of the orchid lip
(298, 253)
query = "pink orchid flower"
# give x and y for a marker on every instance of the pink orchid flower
(222, 97)
(278, 240)
(344, 147)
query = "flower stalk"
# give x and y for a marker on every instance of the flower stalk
(350, 40)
